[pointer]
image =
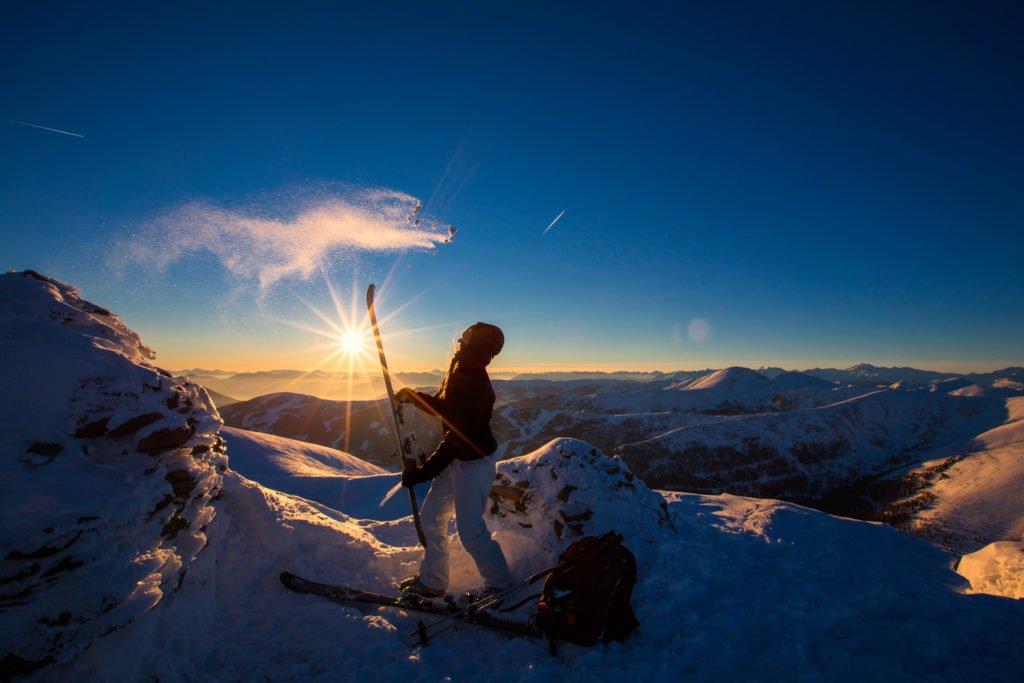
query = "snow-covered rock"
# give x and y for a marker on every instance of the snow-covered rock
(110, 465)
(997, 569)
(568, 489)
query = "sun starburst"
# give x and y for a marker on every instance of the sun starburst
(352, 343)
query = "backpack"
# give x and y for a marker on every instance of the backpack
(586, 596)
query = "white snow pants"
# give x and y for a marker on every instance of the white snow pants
(463, 488)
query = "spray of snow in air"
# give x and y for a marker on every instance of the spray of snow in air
(289, 236)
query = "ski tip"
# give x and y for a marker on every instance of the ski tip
(286, 577)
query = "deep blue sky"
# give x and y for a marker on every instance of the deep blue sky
(823, 183)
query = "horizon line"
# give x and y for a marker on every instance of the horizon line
(606, 369)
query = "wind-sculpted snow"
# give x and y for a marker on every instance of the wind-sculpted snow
(110, 468)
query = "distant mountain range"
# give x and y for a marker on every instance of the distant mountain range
(324, 384)
(874, 444)
(340, 386)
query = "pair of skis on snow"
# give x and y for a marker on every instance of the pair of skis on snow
(451, 613)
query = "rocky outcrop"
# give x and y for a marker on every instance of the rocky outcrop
(111, 466)
(568, 489)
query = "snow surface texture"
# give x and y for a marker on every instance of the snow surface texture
(998, 569)
(110, 468)
(729, 587)
(734, 589)
(332, 478)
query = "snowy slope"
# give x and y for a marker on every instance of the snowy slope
(729, 588)
(317, 473)
(980, 498)
(363, 428)
(258, 456)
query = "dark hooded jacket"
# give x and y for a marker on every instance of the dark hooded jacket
(464, 403)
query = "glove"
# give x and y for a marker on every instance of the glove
(412, 475)
(405, 395)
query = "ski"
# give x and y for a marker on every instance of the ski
(396, 413)
(444, 609)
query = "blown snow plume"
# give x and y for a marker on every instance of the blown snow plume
(290, 235)
(110, 468)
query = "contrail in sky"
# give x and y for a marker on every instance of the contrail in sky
(52, 130)
(553, 223)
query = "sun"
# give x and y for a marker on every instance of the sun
(352, 343)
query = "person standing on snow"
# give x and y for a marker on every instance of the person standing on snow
(461, 467)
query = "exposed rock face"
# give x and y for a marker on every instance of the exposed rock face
(110, 468)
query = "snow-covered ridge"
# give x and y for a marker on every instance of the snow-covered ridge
(802, 454)
(730, 391)
(110, 468)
